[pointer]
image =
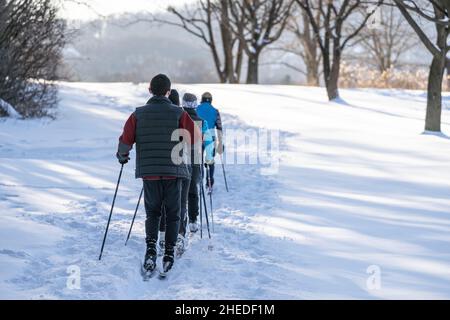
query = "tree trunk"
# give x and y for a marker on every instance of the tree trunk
(331, 81)
(252, 72)
(239, 60)
(312, 65)
(310, 52)
(229, 68)
(222, 75)
(434, 94)
(312, 75)
(332, 87)
(222, 78)
(227, 43)
(447, 65)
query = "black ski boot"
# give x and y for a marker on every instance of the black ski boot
(181, 246)
(149, 266)
(193, 226)
(168, 261)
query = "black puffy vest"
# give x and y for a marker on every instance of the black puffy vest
(155, 123)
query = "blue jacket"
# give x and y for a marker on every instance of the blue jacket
(211, 115)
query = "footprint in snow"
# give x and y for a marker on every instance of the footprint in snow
(247, 273)
(15, 254)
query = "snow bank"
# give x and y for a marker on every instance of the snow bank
(9, 109)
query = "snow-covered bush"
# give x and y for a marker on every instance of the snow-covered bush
(8, 110)
(31, 40)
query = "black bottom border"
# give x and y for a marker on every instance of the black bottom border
(221, 309)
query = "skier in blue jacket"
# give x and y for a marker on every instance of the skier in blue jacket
(211, 116)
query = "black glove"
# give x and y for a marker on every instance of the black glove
(123, 159)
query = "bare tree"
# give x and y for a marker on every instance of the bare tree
(258, 23)
(385, 44)
(435, 12)
(304, 46)
(210, 21)
(31, 39)
(233, 56)
(329, 21)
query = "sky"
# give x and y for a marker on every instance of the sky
(71, 9)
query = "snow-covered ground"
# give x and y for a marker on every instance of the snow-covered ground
(359, 187)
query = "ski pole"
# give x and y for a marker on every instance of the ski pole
(210, 195)
(202, 197)
(110, 213)
(206, 211)
(135, 211)
(201, 214)
(200, 201)
(224, 174)
(212, 214)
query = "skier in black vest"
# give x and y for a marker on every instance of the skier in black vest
(151, 127)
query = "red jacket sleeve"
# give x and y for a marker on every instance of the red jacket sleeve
(128, 137)
(188, 124)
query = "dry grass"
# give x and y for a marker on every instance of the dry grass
(359, 76)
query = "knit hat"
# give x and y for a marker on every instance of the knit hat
(189, 100)
(174, 97)
(207, 97)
